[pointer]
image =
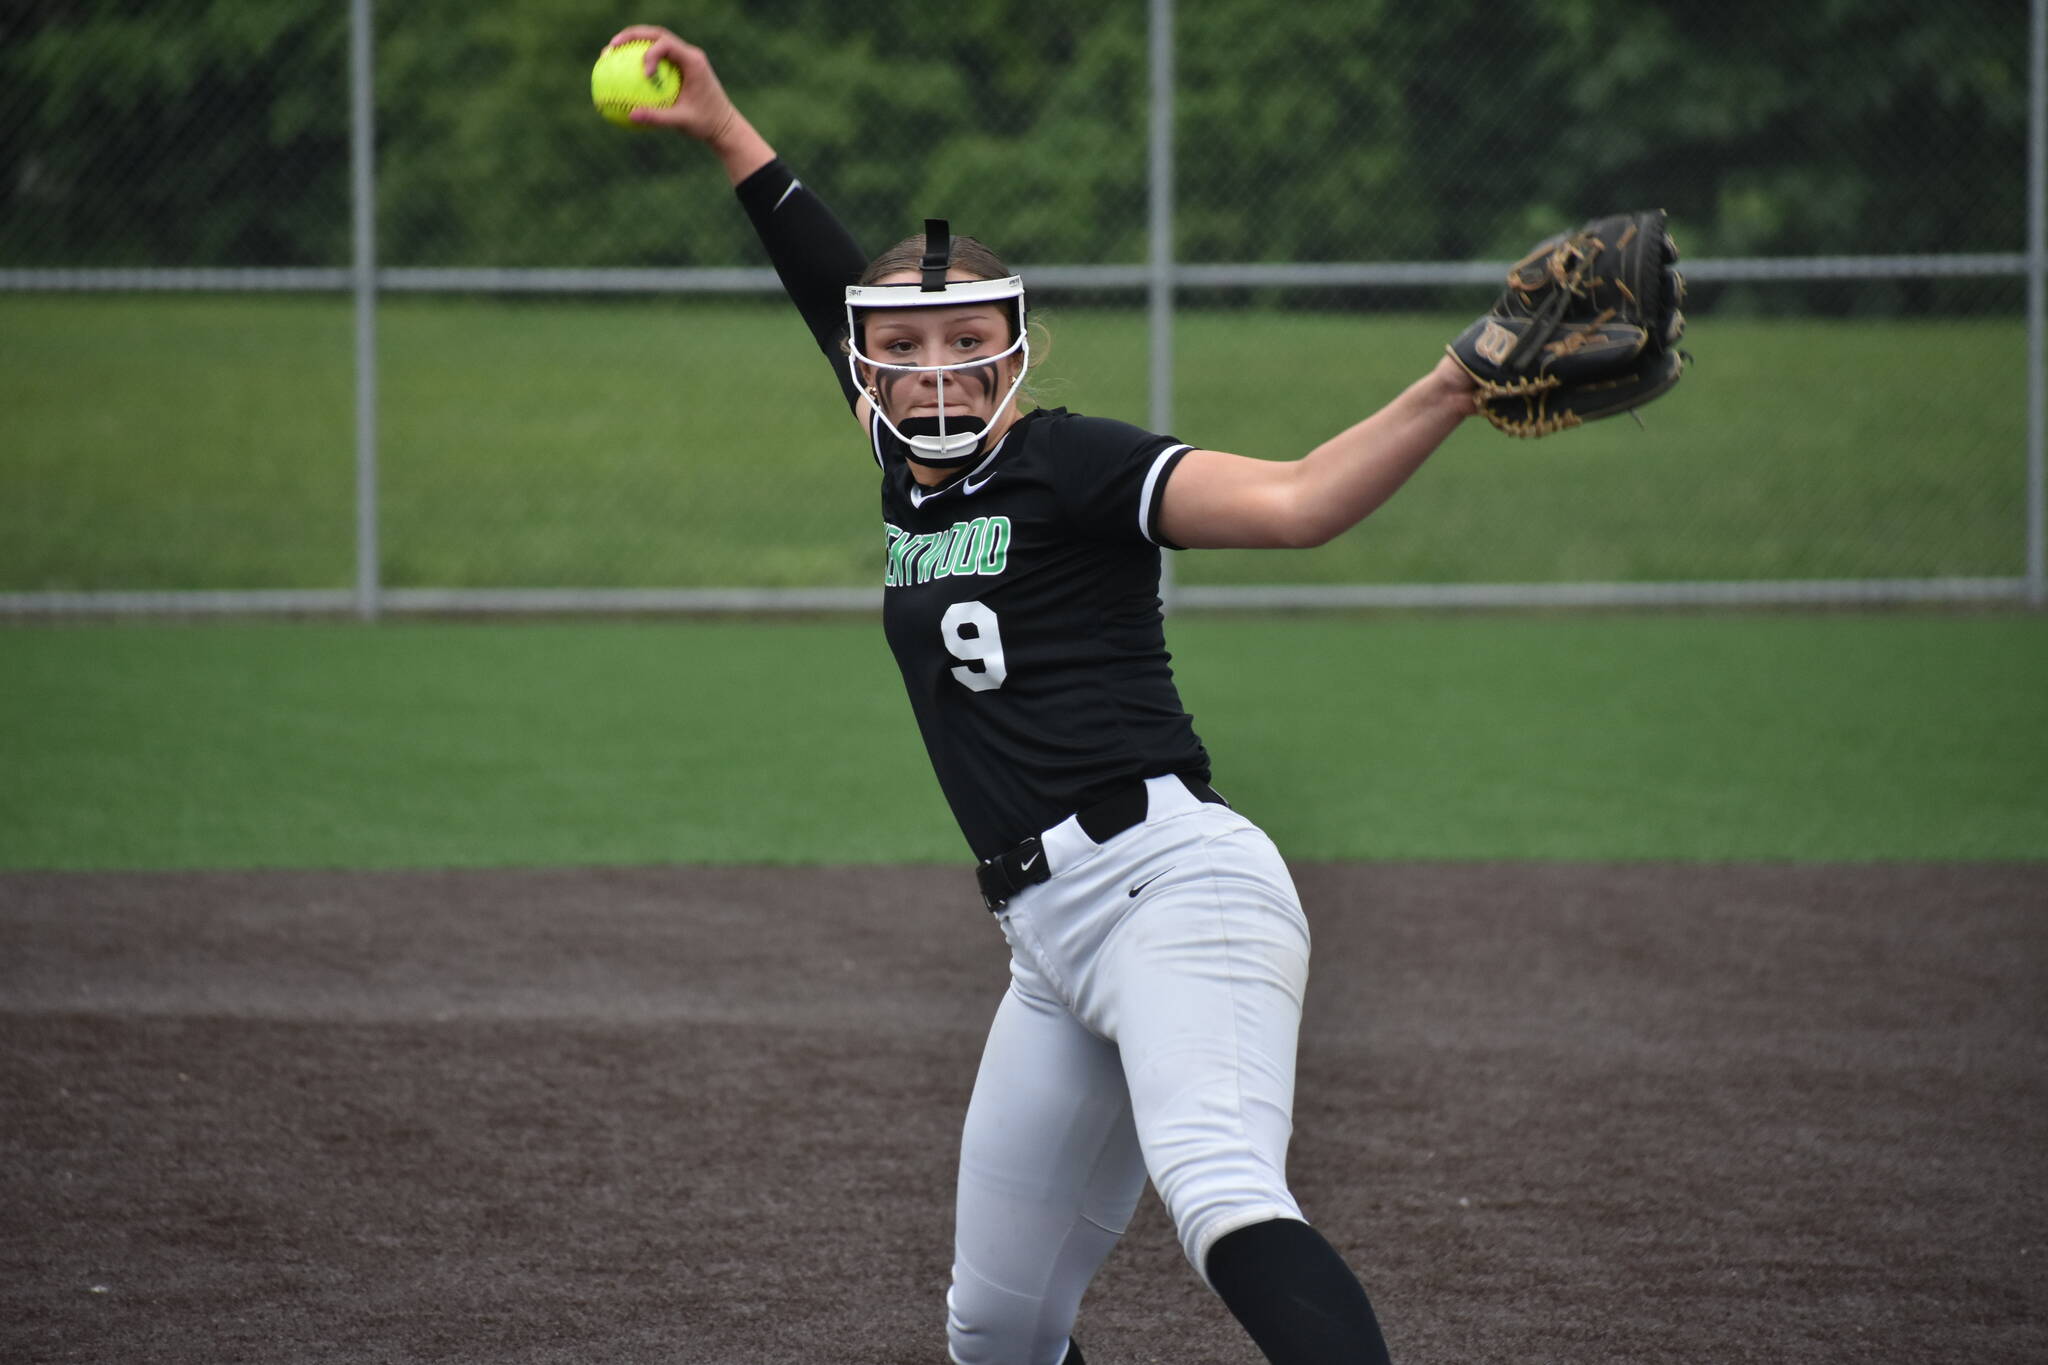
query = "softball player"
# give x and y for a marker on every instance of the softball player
(1158, 950)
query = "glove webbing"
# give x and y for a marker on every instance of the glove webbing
(1543, 322)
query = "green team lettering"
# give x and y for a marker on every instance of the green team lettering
(995, 552)
(926, 543)
(979, 548)
(966, 543)
(899, 541)
(942, 550)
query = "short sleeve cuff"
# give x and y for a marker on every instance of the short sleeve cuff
(1153, 496)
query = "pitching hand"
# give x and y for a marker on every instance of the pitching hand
(702, 110)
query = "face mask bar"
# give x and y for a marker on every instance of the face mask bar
(937, 441)
(941, 441)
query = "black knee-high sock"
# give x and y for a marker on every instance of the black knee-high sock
(1295, 1295)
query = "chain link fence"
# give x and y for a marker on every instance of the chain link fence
(587, 392)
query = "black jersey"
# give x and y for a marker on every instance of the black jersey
(1022, 604)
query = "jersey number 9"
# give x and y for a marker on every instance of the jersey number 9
(971, 635)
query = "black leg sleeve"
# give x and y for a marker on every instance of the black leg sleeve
(813, 254)
(1295, 1295)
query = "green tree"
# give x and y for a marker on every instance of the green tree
(214, 134)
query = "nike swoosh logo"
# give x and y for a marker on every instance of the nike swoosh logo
(1025, 866)
(968, 488)
(1151, 879)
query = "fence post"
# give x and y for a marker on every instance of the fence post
(1159, 257)
(362, 167)
(2037, 311)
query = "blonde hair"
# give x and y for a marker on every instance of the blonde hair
(969, 254)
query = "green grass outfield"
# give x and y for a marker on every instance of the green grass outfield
(166, 442)
(1714, 737)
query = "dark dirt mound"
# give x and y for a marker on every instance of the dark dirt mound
(706, 1116)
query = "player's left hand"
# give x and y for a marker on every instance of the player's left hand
(1587, 327)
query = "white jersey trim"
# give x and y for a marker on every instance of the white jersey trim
(1151, 489)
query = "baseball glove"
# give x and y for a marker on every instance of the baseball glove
(1587, 327)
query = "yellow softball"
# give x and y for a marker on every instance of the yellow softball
(619, 83)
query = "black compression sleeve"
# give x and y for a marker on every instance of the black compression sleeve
(1295, 1295)
(813, 254)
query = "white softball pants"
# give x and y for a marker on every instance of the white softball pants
(1149, 1028)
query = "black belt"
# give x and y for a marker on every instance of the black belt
(1010, 871)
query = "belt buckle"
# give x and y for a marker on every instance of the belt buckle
(985, 874)
(1009, 872)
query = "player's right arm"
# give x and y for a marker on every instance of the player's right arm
(813, 253)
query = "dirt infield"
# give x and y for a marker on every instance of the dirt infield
(1552, 1113)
